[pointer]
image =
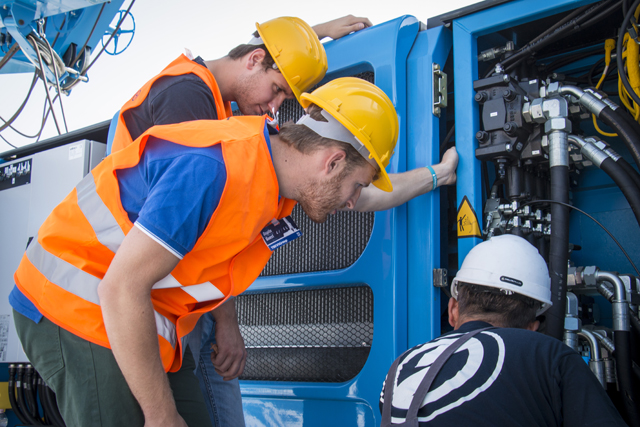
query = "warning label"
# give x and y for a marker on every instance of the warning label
(467, 220)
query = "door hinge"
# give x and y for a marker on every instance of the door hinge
(439, 90)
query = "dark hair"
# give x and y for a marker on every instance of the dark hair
(497, 308)
(244, 49)
(307, 141)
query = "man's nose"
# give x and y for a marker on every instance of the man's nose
(353, 200)
(276, 102)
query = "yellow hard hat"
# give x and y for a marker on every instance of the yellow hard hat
(296, 50)
(367, 112)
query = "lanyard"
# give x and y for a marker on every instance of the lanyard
(411, 419)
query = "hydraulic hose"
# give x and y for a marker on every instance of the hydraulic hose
(29, 395)
(635, 322)
(559, 244)
(47, 405)
(625, 183)
(622, 339)
(605, 162)
(633, 174)
(55, 412)
(608, 115)
(625, 131)
(21, 399)
(595, 361)
(567, 27)
(43, 403)
(625, 116)
(12, 395)
(558, 250)
(624, 373)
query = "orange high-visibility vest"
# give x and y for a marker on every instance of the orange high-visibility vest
(62, 268)
(180, 66)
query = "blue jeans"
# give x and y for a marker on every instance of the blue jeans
(223, 398)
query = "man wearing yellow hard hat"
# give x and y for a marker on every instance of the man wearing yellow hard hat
(282, 60)
(329, 173)
(120, 292)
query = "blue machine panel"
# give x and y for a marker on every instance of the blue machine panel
(386, 264)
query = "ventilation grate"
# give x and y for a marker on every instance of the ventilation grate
(334, 245)
(320, 335)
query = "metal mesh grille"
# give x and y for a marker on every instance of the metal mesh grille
(334, 245)
(312, 335)
(320, 335)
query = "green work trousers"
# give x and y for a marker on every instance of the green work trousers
(89, 386)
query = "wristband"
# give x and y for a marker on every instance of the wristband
(434, 177)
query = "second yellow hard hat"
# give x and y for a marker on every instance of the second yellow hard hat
(296, 50)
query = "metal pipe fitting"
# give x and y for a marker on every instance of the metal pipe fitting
(586, 99)
(595, 361)
(572, 322)
(611, 153)
(558, 149)
(619, 303)
(588, 150)
(606, 342)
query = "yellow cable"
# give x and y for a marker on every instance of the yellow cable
(622, 91)
(600, 131)
(609, 45)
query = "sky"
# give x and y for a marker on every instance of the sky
(209, 28)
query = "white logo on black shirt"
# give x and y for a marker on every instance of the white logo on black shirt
(478, 365)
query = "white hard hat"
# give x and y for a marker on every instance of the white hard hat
(509, 263)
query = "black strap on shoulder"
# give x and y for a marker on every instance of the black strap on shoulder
(411, 419)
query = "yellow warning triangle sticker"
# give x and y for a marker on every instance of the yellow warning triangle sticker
(467, 220)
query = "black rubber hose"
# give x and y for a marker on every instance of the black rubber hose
(29, 395)
(624, 130)
(628, 118)
(12, 395)
(558, 250)
(625, 183)
(43, 403)
(21, 399)
(635, 322)
(630, 170)
(46, 404)
(55, 412)
(568, 27)
(37, 391)
(624, 374)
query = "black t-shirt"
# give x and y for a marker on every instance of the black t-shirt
(172, 99)
(502, 377)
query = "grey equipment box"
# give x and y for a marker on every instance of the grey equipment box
(30, 187)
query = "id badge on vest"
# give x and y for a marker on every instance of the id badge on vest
(280, 232)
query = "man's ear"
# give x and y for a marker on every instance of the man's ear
(255, 58)
(334, 160)
(533, 326)
(453, 312)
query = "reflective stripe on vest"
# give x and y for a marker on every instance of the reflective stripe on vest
(109, 233)
(84, 285)
(63, 267)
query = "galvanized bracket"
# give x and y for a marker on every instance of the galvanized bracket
(440, 278)
(439, 89)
